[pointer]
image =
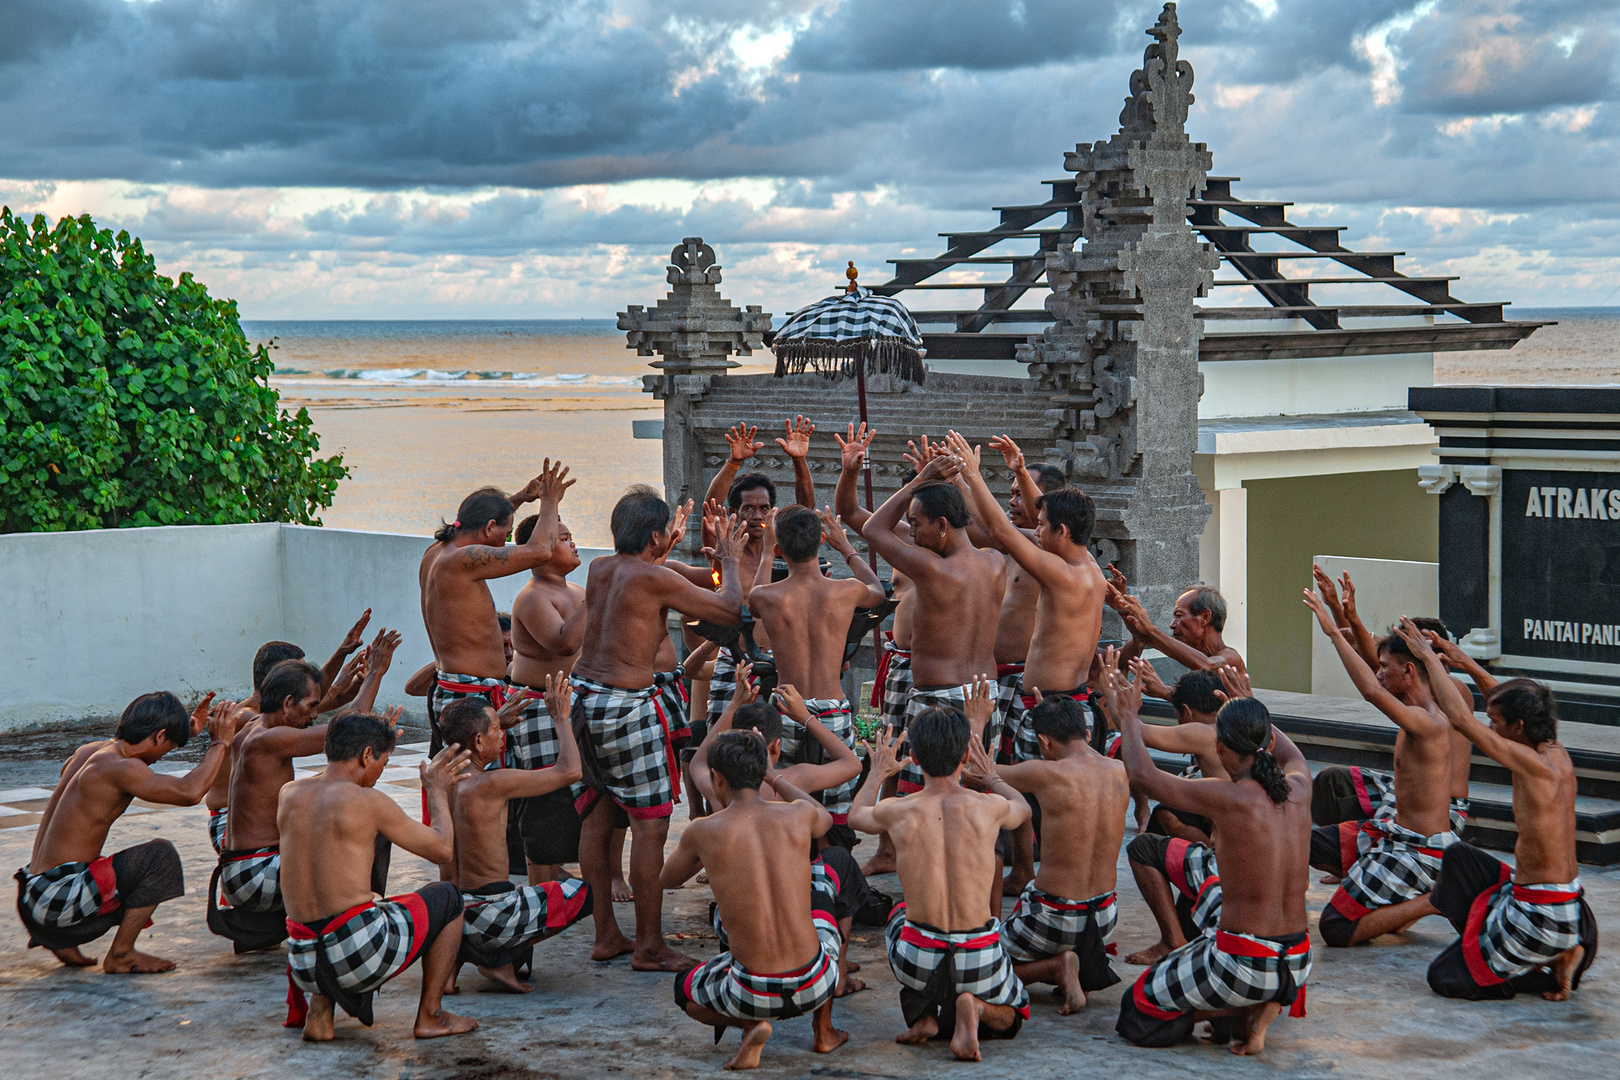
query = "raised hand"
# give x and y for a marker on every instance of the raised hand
(729, 541)
(559, 698)
(1348, 589)
(1323, 615)
(979, 769)
(1152, 685)
(356, 634)
(853, 450)
(199, 715)
(746, 691)
(940, 468)
(1235, 683)
(884, 752)
(1117, 579)
(797, 442)
(981, 703)
(920, 456)
(962, 450)
(511, 710)
(391, 717)
(1330, 595)
(448, 768)
(832, 531)
(741, 440)
(221, 722)
(1449, 650)
(791, 702)
(1416, 639)
(554, 481)
(1010, 453)
(381, 651)
(683, 514)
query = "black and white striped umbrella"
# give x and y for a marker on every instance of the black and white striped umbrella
(854, 333)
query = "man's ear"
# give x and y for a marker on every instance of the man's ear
(368, 757)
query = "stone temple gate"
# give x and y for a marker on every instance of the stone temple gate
(1103, 379)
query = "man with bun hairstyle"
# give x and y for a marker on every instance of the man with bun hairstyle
(1251, 954)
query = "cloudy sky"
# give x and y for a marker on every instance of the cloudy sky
(538, 158)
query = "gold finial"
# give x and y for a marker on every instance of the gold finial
(852, 274)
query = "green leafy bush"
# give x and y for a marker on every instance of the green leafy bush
(129, 399)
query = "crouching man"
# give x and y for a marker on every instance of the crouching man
(754, 852)
(71, 894)
(944, 942)
(503, 921)
(345, 944)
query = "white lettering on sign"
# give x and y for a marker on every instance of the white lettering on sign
(1576, 633)
(1603, 504)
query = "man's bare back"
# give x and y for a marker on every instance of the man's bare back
(1084, 798)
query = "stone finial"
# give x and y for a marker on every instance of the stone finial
(692, 263)
(693, 329)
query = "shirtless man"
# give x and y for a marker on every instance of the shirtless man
(751, 496)
(462, 627)
(958, 590)
(627, 751)
(807, 615)
(1386, 880)
(71, 894)
(945, 844)
(345, 943)
(1347, 796)
(1052, 935)
(891, 682)
(1194, 640)
(1532, 930)
(500, 919)
(1252, 953)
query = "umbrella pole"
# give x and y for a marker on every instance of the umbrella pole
(871, 556)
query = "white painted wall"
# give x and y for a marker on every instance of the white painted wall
(1386, 589)
(96, 618)
(1311, 386)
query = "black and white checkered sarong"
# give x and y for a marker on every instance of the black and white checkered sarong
(504, 916)
(1043, 925)
(216, 828)
(250, 880)
(912, 777)
(896, 688)
(798, 747)
(1193, 873)
(936, 965)
(64, 896)
(1397, 865)
(625, 736)
(531, 743)
(1218, 970)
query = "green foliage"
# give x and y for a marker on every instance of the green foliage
(129, 399)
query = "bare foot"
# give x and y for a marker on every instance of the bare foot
(318, 1022)
(1074, 998)
(135, 963)
(965, 1040)
(1563, 970)
(753, 1044)
(74, 958)
(878, 864)
(1331, 879)
(621, 892)
(443, 1023)
(1150, 955)
(507, 978)
(1252, 1024)
(919, 1033)
(666, 959)
(848, 986)
(830, 1040)
(614, 945)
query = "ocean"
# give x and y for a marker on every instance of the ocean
(426, 411)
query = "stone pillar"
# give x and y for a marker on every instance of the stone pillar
(1121, 359)
(694, 330)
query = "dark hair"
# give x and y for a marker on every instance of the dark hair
(748, 481)
(151, 713)
(1528, 702)
(907, 477)
(760, 716)
(483, 506)
(1195, 691)
(1244, 727)
(288, 681)
(639, 513)
(1397, 647)
(525, 528)
(1071, 507)
(464, 719)
(505, 619)
(1429, 622)
(938, 737)
(269, 655)
(943, 501)
(1049, 477)
(1060, 718)
(349, 735)
(798, 533)
(740, 757)
(1208, 598)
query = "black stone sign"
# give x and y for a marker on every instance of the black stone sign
(1561, 565)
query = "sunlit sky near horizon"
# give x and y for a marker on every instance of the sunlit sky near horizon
(512, 159)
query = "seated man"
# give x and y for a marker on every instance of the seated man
(71, 894)
(944, 942)
(1527, 927)
(500, 919)
(1052, 936)
(345, 944)
(753, 850)
(1254, 959)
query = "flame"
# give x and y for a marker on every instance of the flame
(715, 574)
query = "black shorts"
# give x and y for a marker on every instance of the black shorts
(1149, 850)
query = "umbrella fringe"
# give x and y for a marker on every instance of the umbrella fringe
(832, 359)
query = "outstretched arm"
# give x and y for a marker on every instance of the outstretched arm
(1124, 704)
(1516, 757)
(482, 562)
(744, 693)
(1458, 659)
(832, 531)
(723, 607)
(853, 451)
(1367, 684)
(879, 531)
(1365, 643)
(1048, 569)
(1028, 490)
(187, 790)
(843, 767)
(522, 783)
(741, 441)
(421, 683)
(796, 445)
(437, 842)
(378, 656)
(346, 648)
(865, 814)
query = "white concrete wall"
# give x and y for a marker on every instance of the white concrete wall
(1386, 589)
(96, 618)
(1311, 386)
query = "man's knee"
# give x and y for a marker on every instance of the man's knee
(148, 874)
(442, 899)
(1327, 849)
(1336, 930)
(1449, 977)
(1141, 1029)
(1149, 850)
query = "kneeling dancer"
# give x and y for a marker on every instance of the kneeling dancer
(1241, 972)
(71, 894)
(344, 944)
(502, 920)
(944, 943)
(753, 851)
